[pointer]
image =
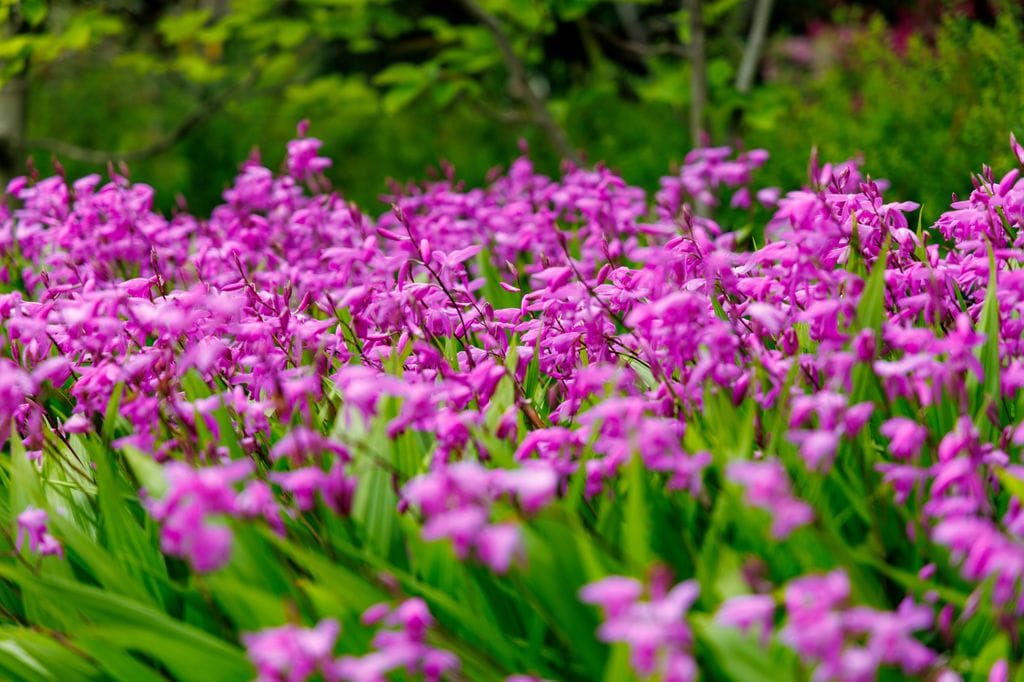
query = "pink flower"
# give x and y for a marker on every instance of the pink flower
(905, 436)
(291, 653)
(655, 631)
(749, 611)
(194, 498)
(767, 487)
(32, 529)
(401, 647)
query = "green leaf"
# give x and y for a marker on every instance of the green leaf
(248, 607)
(291, 34)
(228, 433)
(176, 28)
(45, 655)
(920, 251)
(637, 530)
(988, 324)
(120, 530)
(20, 665)
(374, 509)
(34, 12)
(870, 313)
(112, 412)
(116, 661)
(618, 666)
(189, 653)
(998, 647)
(712, 548)
(741, 657)
(194, 385)
(444, 94)
(25, 488)
(353, 589)
(871, 307)
(401, 96)
(108, 570)
(401, 73)
(1013, 485)
(147, 472)
(552, 585)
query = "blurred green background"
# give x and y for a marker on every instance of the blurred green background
(184, 90)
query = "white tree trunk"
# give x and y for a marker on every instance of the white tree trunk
(698, 72)
(755, 45)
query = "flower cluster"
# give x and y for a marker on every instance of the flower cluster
(291, 653)
(658, 637)
(294, 654)
(402, 645)
(767, 487)
(540, 350)
(851, 643)
(455, 503)
(188, 512)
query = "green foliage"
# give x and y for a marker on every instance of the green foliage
(391, 87)
(947, 105)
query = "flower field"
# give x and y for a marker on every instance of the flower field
(549, 429)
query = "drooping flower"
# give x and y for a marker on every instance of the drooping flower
(402, 645)
(905, 436)
(747, 612)
(291, 653)
(655, 631)
(188, 512)
(32, 530)
(767, 487)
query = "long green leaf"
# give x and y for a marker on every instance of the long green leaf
(188, 652)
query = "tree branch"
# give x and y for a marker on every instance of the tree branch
(198, 117)
(519, 83)
(641, 50)
(509, 117)
(629, 17)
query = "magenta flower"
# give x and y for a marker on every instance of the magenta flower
(302, 443)
(746, 612)
(767, 487)
(817, 447)
(403, 646)
(905, 437)
(614, 594)
(187, 512)
(291, 653)
(1000, 670)
(655, 631)
(456, 502)
(503, 354)
(303, 160)
(822, 628)
(32, 529)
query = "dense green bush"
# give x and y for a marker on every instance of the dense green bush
(919, 118)
(945, 101)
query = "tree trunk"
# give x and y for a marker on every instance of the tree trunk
(698, 72)
(751, 59)
(698, 86)
(630, 19)
(754, 46)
